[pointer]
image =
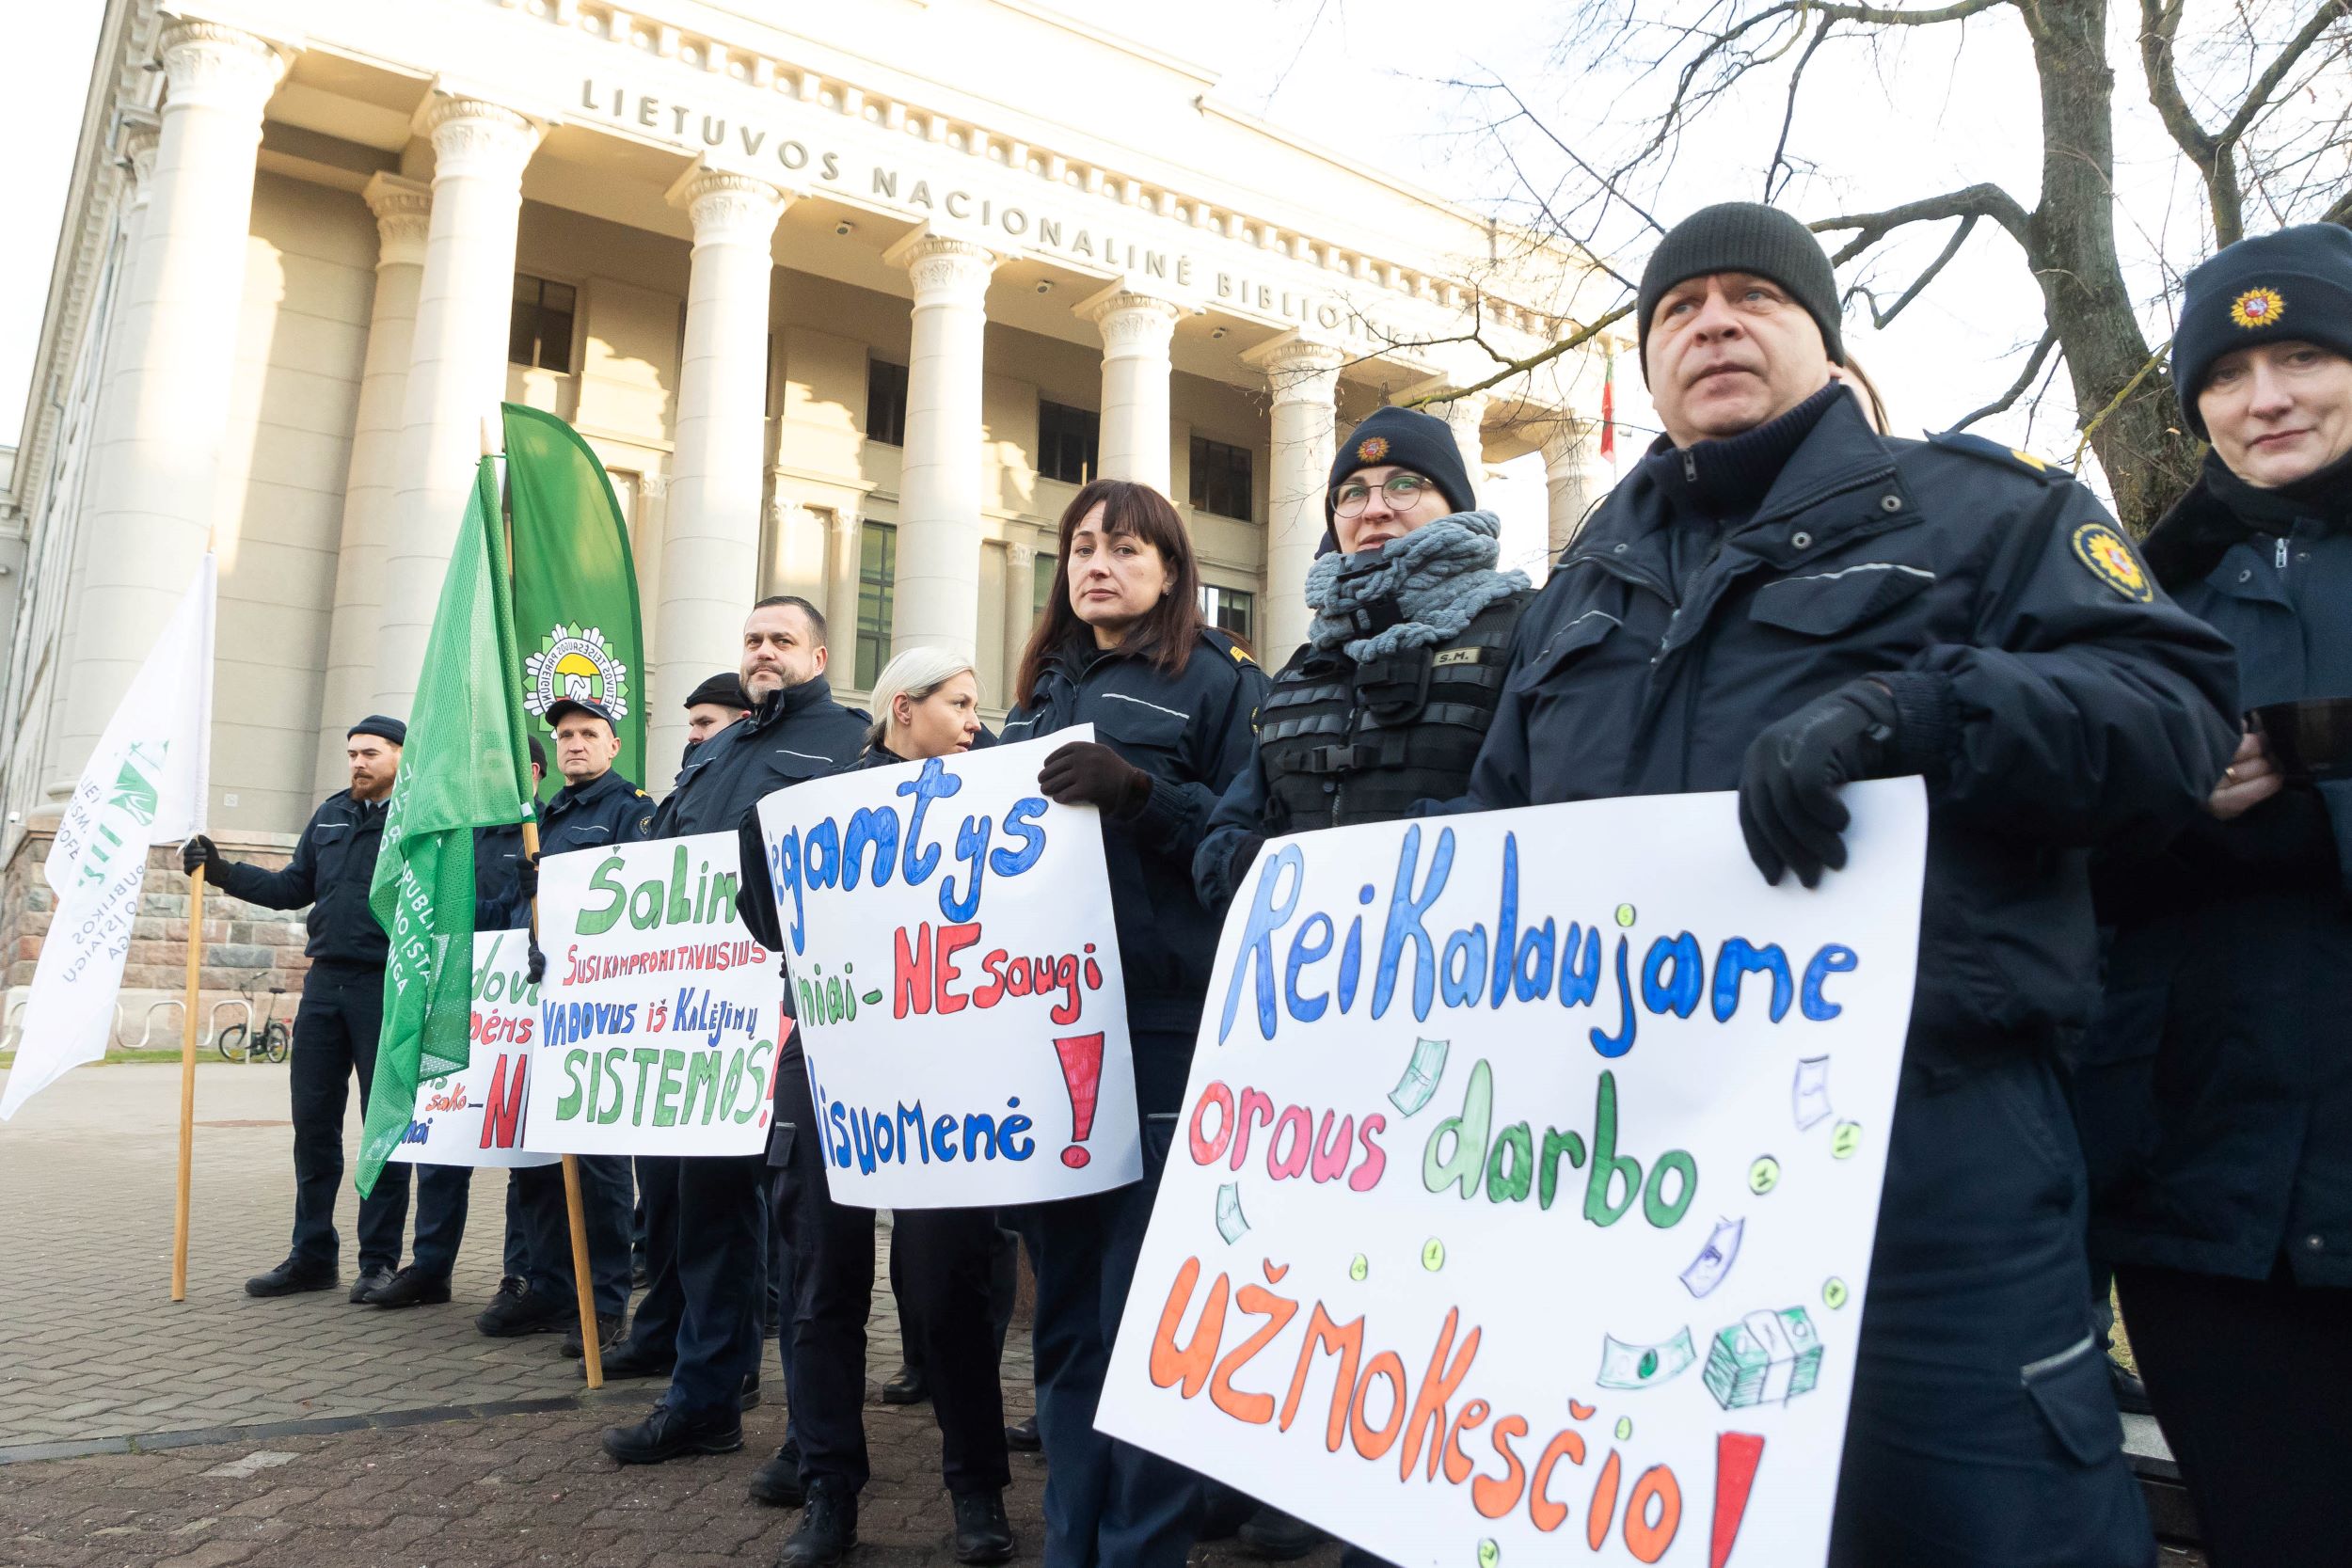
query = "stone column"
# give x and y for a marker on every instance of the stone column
(165, 406)
(939, 485)
(1137, 330)
(1571, 474)
(1463, 415)
(457, 366)
(841, 598)
(1304, 378)
(403, 208)
(710, 538)
(1020, 592)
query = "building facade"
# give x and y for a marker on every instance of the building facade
(849, 299)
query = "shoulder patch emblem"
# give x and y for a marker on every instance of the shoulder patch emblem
(2100, 548)
(1241, 654)
(2257, 308)
(2029, 459)
(1371, 449)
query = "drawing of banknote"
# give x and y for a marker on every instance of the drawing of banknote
(1715, 1259)
(1624, 1365)
(1422, 1073)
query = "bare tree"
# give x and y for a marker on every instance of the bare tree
(2255, 98)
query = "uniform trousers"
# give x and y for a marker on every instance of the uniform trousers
(540, 1230)
(334, 1038)
(707, 1252)
(943, 1254)
(2251, 1380)
(443, 1195)
(1983, 1431)
(1108, 1504)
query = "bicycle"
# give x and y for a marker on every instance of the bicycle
(237, 1041)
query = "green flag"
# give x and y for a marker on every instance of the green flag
(574, 585)
(464, 767)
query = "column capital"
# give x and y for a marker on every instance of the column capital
(404, 215)
(137, 147)
(1299, 370)
(1130, 321)
(1567, 444)
(729, 208)
(1022, 556)
(210, 66)
(945, 271)
(475, 136)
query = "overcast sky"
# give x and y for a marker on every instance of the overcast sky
(1365, 77)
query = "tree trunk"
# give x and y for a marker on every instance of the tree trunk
(2070, 245)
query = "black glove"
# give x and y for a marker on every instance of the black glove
(196, 851)
(1245, 856)
(1087, 773)
(538, 970)
(527, 877)
(1789, 811)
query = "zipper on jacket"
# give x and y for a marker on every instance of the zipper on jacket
(2281, 562)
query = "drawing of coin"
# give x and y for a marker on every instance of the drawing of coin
(1833, 1293)
(1625, 914)
(1361, 1267)
(1489, 1553)
(1433, 1255)
(1764, 1175)
(1625, 1427)
(1844, 1139)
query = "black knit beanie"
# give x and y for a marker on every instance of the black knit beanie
(1405, 439)
(1745, 236)
(2296, 284)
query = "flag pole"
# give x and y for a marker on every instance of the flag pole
(189, 997)
(591, 1349)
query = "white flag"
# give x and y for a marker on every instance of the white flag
(145, 784)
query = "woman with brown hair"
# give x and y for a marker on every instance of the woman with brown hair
(1121, 647)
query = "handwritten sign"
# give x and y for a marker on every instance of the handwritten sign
(956, 973)
(659, 1020)
(1522, 1206)
(475, 1117)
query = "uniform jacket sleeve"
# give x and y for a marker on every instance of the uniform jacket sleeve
(289, 889)
(755, 890)
(1175, 815)
(1240, 815)
(2081, 715)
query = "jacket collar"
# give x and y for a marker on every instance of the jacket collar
(594, 789)
(781, 705)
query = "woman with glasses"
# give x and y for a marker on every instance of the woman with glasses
(1387, 701)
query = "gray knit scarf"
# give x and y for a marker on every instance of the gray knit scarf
(1438, 577)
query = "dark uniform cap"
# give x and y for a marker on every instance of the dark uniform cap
(1745, 236)
(381, 727)
(724, 690)
(2293, 285)
(538, 752)
(563, 705)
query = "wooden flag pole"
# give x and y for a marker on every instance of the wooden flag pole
(583, 1283)
(187, 1087)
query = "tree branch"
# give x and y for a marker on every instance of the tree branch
(1788, 112)
(1984, 201)
(1576, 340)
(2017, 388)
(1879, 320)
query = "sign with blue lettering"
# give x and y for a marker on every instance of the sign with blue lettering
(956, 973)
(475, 1117)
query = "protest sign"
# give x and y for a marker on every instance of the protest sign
(474, 1117)
(660, 1015)
(957, 976)
(1521, 1205)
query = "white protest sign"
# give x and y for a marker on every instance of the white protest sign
(658, 1018)
(1522, 1206)
(475, 1117)
(956, 973)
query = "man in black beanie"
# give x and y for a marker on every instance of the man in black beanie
(1779, 600)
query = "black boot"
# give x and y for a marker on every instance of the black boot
(909, 1387)
(777, 1484)
(293, 1277)
(983, 1534)
(1023, 1438)
(666, 1434)
(828, 1526)
(1275, 1536)
(513, 1313)
(370, 1281)
(631, 1359)
(412, 1286)
(608, 1337)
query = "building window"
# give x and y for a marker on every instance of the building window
(539, 333)
(877, 583)
(1230, 611)
(1042, 582)
(886, 402)
(1220, 479)
(1068, 443)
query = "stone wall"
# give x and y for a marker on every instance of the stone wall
(245, 946)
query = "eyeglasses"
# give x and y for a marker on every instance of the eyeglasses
(1402, 491)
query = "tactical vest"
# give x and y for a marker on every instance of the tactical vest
(1343, 742)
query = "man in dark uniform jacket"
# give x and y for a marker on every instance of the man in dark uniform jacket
(341, 1012)
(596, 809)
(706, 1218)
(502, 902)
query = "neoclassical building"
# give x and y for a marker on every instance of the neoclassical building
(849, 298)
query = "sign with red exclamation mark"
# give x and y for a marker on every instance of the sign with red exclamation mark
(1081, 1071)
